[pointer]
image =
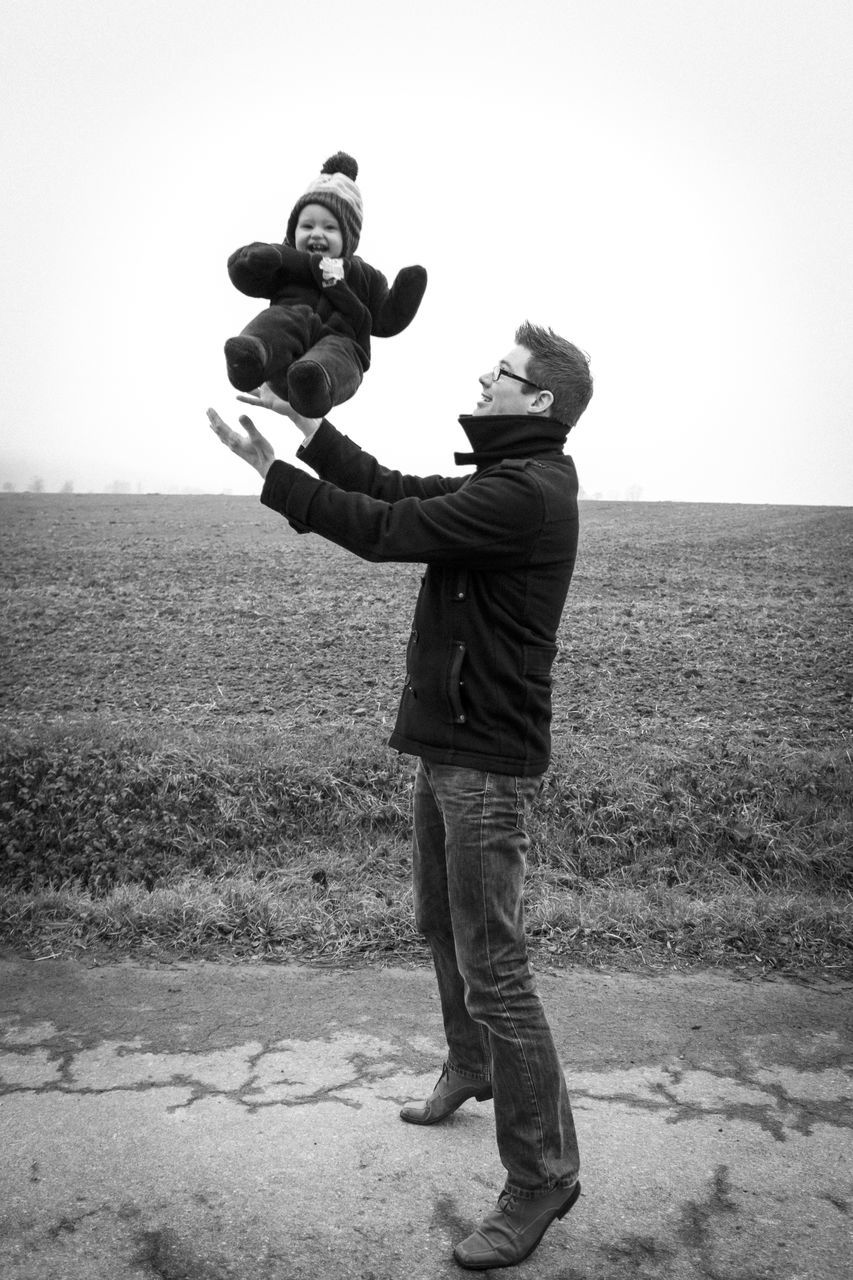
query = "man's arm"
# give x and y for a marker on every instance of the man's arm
(341, 461)
(493, 524)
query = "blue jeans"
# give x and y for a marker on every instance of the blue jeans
(470, 858)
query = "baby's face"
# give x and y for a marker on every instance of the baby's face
(318, 231)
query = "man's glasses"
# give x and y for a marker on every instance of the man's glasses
(500, 372)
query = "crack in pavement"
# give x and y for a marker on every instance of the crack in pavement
(258, 1071)
(681, 1112)
(784, 1114)
(217, 1123)
(249, 1075)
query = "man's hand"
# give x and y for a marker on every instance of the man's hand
(252, 447)
(264, 397)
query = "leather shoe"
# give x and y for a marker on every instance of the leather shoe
(447, 1096)
(513, 1231)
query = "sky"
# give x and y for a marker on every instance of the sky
(667, 183)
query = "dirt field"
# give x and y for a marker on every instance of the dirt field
(210, 612)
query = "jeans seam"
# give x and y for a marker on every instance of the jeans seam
(495, 986)
(431, 785)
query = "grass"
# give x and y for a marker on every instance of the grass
(250, 848)
(196, 702)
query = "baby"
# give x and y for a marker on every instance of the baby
(312, 344)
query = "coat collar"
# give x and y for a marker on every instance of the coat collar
(510, 436)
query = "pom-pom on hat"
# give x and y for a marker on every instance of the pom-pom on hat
(336, 191)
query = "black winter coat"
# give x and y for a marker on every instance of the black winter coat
(499, 548)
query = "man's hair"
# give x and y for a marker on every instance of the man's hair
(560, 367)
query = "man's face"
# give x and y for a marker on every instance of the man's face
(318, 231)
(505, 395)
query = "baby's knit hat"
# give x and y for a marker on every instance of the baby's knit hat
(336, 191)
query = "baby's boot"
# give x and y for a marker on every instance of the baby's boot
(246, 358)
(309, 389)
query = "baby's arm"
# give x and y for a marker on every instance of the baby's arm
(258, 269)
(395, 308)
(253, 268)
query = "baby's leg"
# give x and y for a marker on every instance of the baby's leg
(329, 373)
(268, 345)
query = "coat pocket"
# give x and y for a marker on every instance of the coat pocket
(455, 681)
(410, 662)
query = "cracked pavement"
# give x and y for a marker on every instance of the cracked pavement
(221, 1122)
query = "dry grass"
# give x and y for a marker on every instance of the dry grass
(249, 848)
(277, 917)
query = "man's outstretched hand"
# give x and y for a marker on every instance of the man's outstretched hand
(264, 397)
(251, 447)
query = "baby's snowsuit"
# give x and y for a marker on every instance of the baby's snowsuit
(308, 322)
(312, 344)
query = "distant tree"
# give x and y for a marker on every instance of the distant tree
(118, 486)
(8, 487)
(634, 492)
(68, 487)
(36, 485)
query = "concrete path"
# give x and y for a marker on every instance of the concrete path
(214, 1122)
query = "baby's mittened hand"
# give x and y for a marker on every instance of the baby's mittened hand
(411, 281)
(333, 271)
(263, 257)
(407, 291)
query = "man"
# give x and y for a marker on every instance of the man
(499, 548)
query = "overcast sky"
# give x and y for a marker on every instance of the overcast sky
(669, 183)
